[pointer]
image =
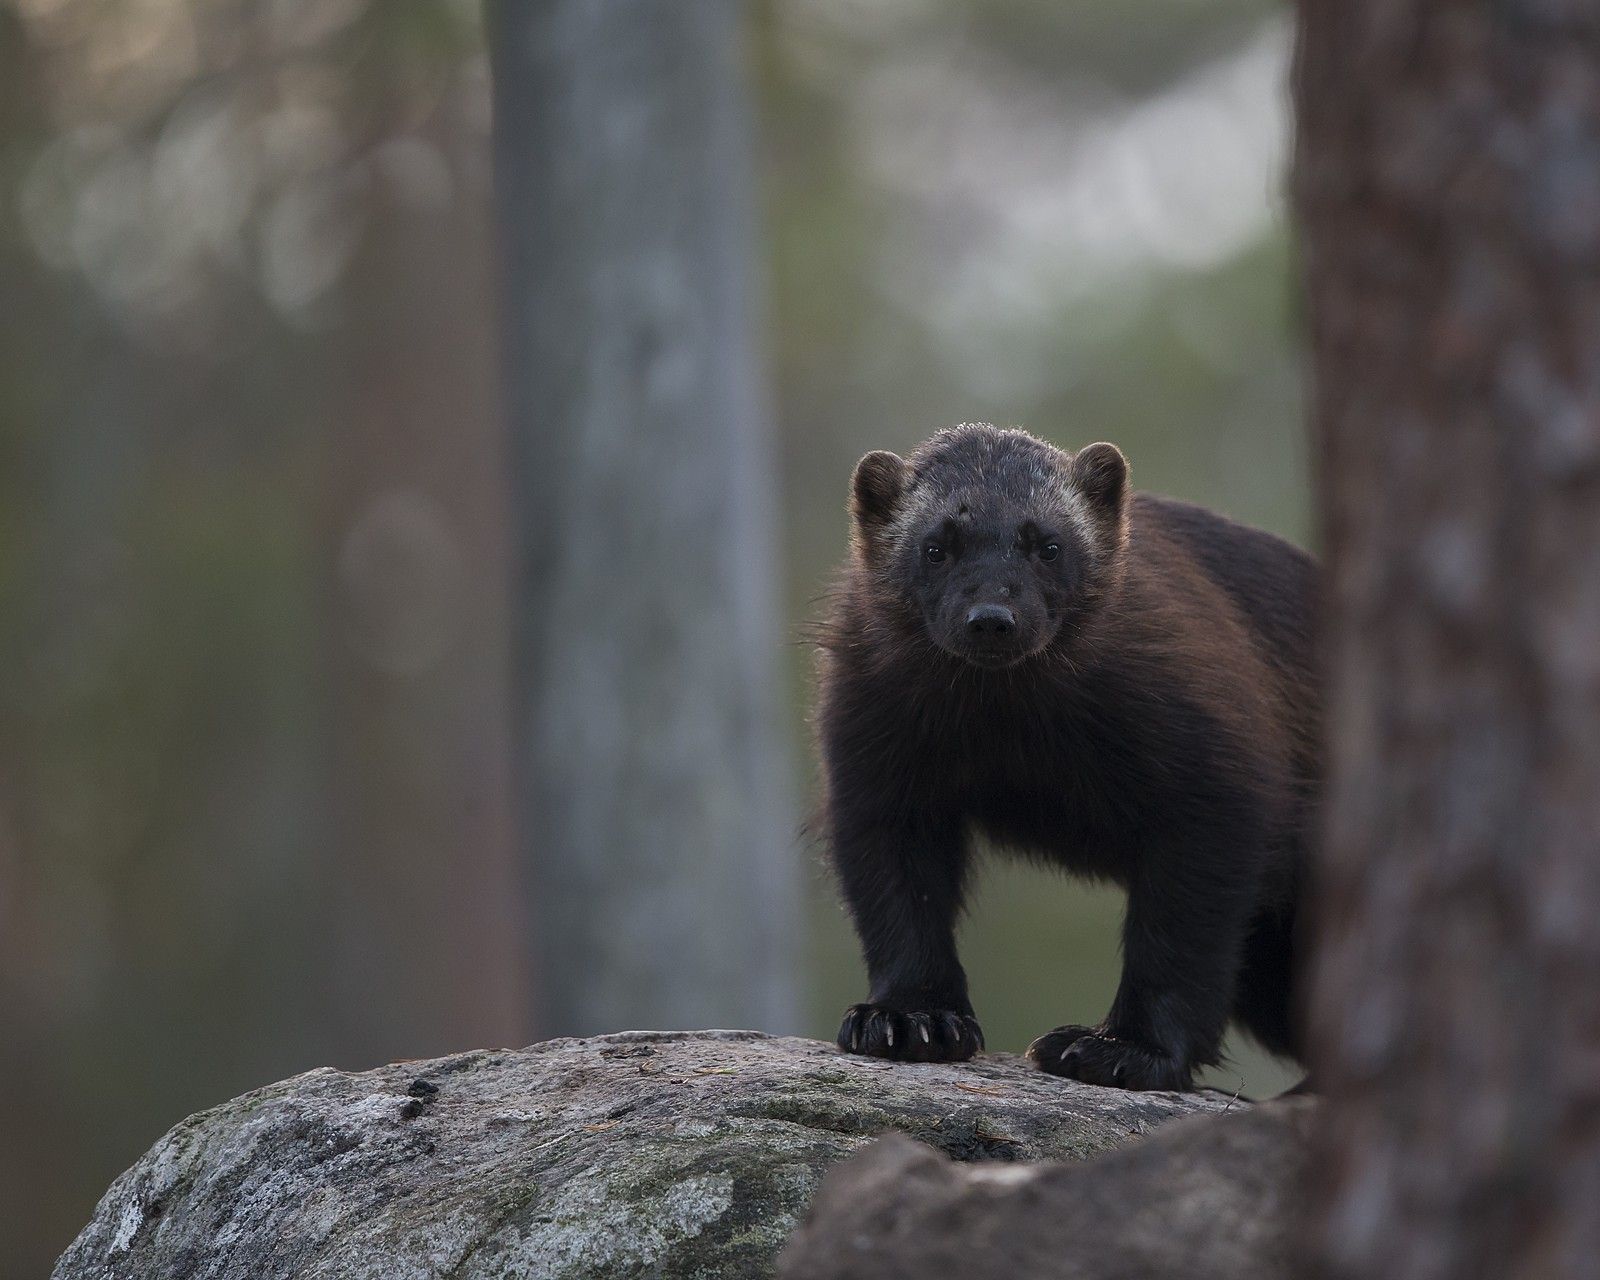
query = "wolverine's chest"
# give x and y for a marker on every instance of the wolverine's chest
(1054, 753)
(1076, 780)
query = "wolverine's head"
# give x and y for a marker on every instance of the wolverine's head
(995, 539)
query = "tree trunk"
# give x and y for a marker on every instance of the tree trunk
(656, 831)
(1449, 183)
(418, 770)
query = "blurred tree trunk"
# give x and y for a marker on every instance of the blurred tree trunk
(656, 830)
(427, 943)
(1449, 183)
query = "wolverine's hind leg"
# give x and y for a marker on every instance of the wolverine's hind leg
(1266, 1000)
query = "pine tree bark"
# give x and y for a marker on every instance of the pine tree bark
(1448, 181)
(657, 833)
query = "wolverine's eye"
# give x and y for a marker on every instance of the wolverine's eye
(1050, 551)
(935, 553)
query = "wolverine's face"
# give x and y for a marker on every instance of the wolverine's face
(996, 538)
(992, 578)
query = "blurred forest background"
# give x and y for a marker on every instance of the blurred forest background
(256, 798)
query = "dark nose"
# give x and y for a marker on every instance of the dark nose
(990, 621)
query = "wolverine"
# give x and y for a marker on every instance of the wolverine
(1024, 650)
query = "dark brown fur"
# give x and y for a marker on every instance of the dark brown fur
(1121, 685)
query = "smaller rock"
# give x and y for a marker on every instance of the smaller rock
(1209, 1198)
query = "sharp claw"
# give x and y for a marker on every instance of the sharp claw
(957, 1033)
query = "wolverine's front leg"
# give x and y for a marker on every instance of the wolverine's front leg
(902, 879)
(1183, 940)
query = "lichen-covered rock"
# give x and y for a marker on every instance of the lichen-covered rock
(639, 1154)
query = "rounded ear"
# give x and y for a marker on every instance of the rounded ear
(875, 488)
(1100, 473)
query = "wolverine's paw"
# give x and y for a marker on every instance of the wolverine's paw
(1095, 1056)
(932, 1035)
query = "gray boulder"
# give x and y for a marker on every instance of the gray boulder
(639, 1154)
